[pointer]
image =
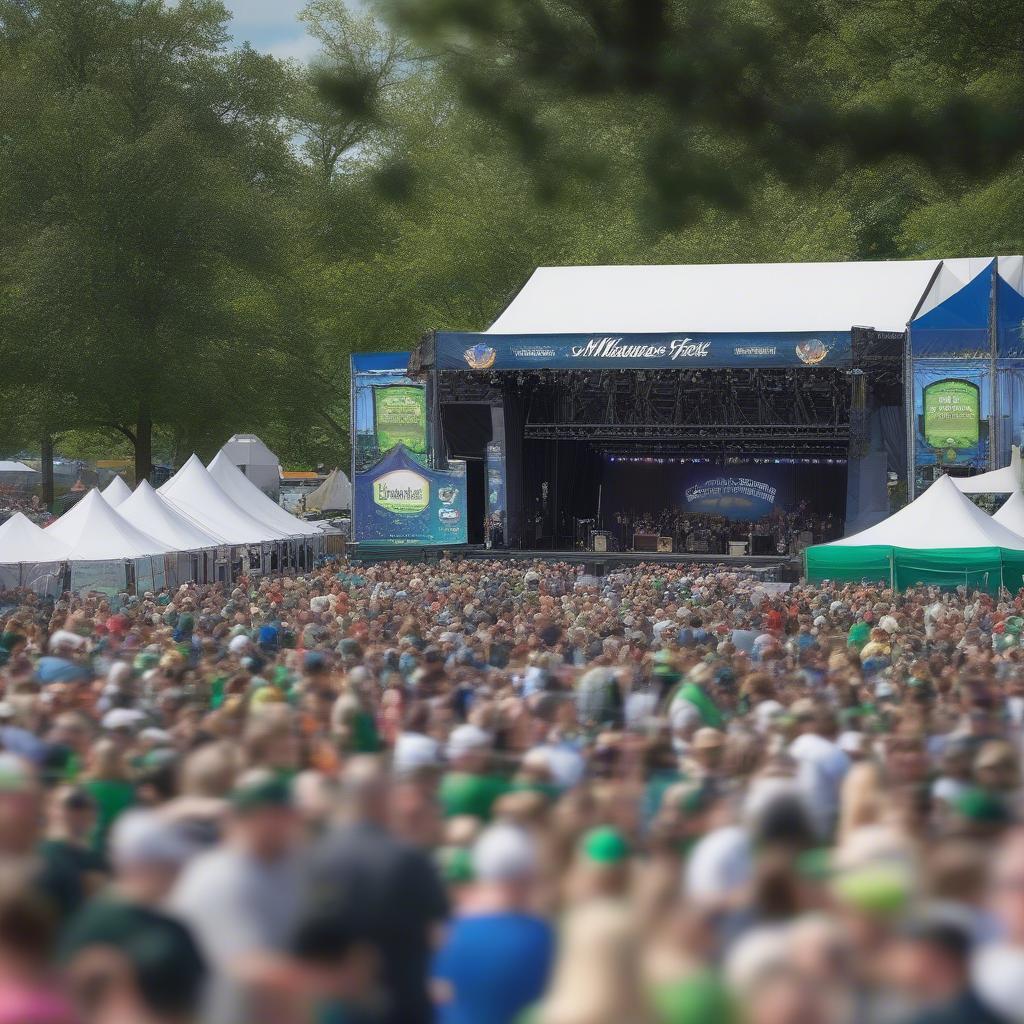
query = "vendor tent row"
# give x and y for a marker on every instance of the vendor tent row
(204, 524)
(942, 539)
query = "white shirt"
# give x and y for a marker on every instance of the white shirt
(822, 766)
(720, 864)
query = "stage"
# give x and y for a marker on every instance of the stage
(782, 568)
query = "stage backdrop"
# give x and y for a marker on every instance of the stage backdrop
(402, 502)
(741, 492)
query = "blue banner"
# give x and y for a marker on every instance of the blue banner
(494, 469)
(401, 502)
(461, 351)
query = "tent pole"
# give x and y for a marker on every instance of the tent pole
(892, 568)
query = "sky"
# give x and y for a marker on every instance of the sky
(271, 26)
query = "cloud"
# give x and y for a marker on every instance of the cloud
(301, 47)
(271, 26)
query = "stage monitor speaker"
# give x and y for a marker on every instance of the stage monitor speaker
(762, 545)
(665, 545)
(645, 542)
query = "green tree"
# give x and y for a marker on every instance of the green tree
(144, 220)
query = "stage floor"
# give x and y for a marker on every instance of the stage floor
(789, 567)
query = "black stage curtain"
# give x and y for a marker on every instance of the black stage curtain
(514, 408)
(467, 429)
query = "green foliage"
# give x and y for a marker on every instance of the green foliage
(197, 236)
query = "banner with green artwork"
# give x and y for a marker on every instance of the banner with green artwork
(952, 414)
(400, 417)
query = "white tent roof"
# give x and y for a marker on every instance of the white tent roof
(116, 492)
(22, 541)
(246, 494)
(248, 450)
(148, 511)
(15, 467)
(996, 481)
(93, 531)
(334, 493)
(729, 297)
(941, 518)
(197, 496)
(1011, 513)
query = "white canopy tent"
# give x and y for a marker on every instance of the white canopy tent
(731, 297)
(997, 481)
(255, 461)
(941, 538)
(940, 518)
(30, 557)
(150, 512)
(1011, 513)
(93, 531)
(248, 496)
(116, 492)
(195, 494)
(22, 541)
(333, 495)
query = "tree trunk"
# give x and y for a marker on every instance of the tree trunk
(143, 444)
(46, 470)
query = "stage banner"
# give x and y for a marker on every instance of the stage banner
(952, 399)
(373, 374)
(461, 351)
(496, 500)
(400, 417)
(951, 414)
(400, 502)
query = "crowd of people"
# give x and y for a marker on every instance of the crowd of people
(482, 792)
(13, 499)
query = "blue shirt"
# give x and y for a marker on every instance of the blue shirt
(497, 966)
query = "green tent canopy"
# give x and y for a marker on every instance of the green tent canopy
(941, 539)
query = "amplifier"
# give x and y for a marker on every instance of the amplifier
(664, 544)
(600, 540)
(762, 545)
(645, 542)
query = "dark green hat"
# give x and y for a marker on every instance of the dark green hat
(266, 791)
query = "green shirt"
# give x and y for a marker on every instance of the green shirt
(463, 793)
(113, 797)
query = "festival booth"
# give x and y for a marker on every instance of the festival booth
(105, 552)
(30, 557)
(243, 541)
(17, 476)
(116, 492)
(305, 543)
(147, 511)
(941, 539)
